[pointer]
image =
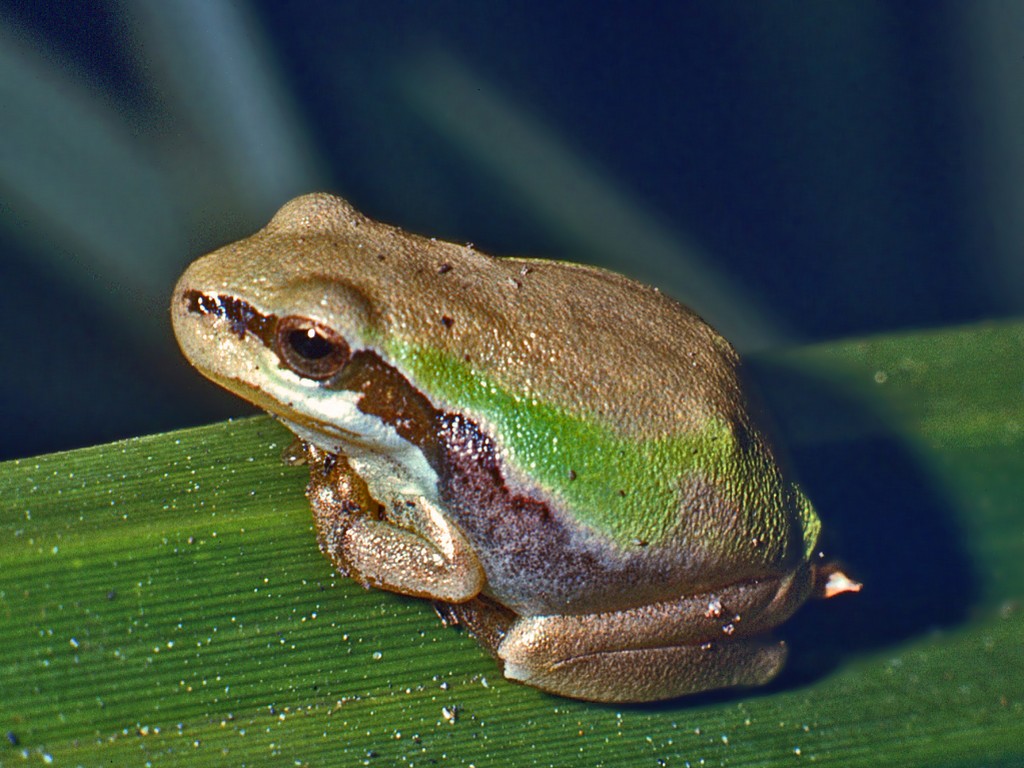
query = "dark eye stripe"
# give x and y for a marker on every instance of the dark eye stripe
(239, 314)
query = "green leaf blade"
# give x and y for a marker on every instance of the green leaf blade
(163, 600)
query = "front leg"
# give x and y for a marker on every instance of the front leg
(402, 543)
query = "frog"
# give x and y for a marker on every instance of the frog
(562, 459)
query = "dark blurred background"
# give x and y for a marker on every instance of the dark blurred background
(796, 172)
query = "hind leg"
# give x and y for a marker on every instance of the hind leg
(658, 651)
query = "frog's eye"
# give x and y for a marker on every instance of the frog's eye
(309, 348)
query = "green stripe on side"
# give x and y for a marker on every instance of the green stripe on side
(809, 521)
(629, 490)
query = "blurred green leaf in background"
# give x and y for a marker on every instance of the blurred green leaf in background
(793, 171)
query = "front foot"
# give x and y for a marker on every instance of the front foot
(401, 544)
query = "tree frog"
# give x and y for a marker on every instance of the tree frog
(558, 456)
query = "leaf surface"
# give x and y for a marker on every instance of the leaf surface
(163, 601)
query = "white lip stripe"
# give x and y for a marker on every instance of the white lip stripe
(340, 427)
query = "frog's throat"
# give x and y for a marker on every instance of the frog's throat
(405, 468)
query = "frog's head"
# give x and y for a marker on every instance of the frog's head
(278, 331)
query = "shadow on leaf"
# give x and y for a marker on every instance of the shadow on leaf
(883, 518)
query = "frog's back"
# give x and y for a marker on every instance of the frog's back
(653, 366)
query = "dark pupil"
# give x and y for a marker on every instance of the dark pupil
(309, 344)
